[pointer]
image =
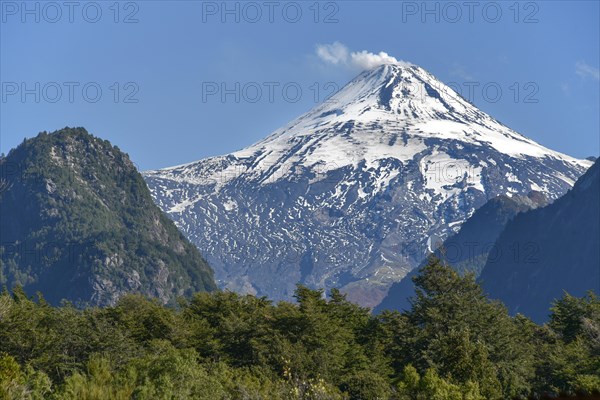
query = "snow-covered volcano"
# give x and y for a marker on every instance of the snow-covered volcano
(351, 193)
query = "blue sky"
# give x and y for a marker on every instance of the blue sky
(156, 63)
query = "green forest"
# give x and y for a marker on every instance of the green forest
(86, 228)
(453, 343)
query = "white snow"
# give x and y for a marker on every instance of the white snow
(385, 113)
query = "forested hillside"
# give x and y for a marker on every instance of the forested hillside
(544, 252)
(468, 249)
(78, 223)
(452, 344)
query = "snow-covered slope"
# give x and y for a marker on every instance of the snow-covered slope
(348, 194)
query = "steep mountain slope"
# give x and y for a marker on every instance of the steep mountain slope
(544, 252)
(348, 194)
(467, 250)
(78, 222)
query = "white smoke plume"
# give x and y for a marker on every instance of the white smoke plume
(339, 54)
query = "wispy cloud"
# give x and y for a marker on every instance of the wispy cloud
(337, 53)
(585, 70)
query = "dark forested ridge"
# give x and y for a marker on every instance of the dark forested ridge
(78, 222)
(545, 252)
(452, 344)
(468, 249)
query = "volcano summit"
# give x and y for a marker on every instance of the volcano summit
(352, 193)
